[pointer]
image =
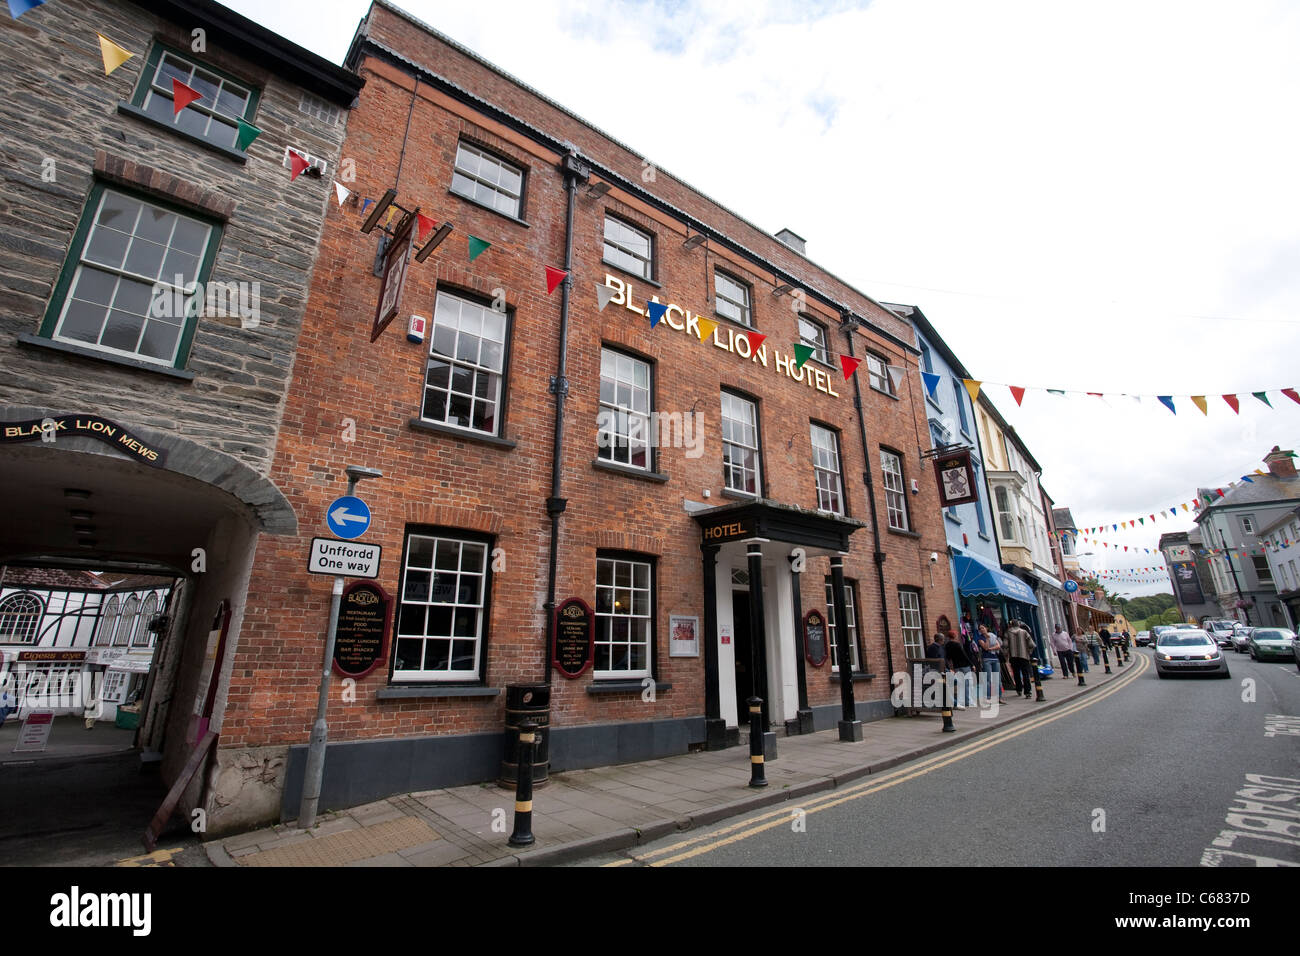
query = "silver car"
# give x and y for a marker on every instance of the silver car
(1189, 651)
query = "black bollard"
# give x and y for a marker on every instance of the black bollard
(523, 835)
(1105, 658)
(757, 775)
(948, 728)
(1078, 670)
(1038, 684)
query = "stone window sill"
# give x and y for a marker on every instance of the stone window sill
(619, 469)
(857, 676)
(128, 109)
(399, 692)
(905, 534)
(624, 686)
(639, 278)
(40, 342)
(419, 424)
(482, 205)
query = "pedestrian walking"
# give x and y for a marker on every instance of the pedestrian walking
(1080, 650)
(1105, 648)
(1094, 645)
(1064, 647)
(1020, 648)
(991, 666)
(959, 663)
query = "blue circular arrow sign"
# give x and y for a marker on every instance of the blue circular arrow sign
(348, 516)
(1071, 586)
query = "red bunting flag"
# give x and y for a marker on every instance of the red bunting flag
(1017, 392)
(1291, 394)
(296, 165)
(849, 365)
(755, 340)
(183, 96)
(1233, 403)
(423, 224)
(553, 278)
(1098, 394)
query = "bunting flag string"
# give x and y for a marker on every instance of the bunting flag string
(553, 278)
(183, 96)
(931, 380)
(423, 225)
(342, 192)
(603, 294)
(296, 166)
(247, 133)
(479, 246)
(1188, 506)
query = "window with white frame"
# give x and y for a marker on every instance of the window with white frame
(740, 444)
(909, 606)
(878, 374)
(142, 636)
(731, 299)
(1006, 516)
(623, 423)
(133, 282)
(624, 619)
(108, 621)
(826, 469)
(851, 616)
(20, 618)
(628, 248)
(130, 618)
(488, 181)
(891, 464)
(1247, 524)
(1262, 571)
(814, 334)
(443, 616)
(465, 376)
(114, 689)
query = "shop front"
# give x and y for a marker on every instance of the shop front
(991, 596)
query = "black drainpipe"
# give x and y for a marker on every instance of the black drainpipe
(849, 323)
(574, 169)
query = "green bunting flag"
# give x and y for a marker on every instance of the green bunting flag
(1263, 398)
(802, 353)
(477, 247)
(247, 133)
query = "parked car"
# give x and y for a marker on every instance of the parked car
(1143, 638)
(1241, 638)
(1189, 651)
(1221, 631)
(1271, 643)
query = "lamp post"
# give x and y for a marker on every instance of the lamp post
(315, 772)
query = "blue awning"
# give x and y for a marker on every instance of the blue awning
(978, 578)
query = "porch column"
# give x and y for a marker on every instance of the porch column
(715, 726)
(850, 727)
(804, 717)
(758, 629)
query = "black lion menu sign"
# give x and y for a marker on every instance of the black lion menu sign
(575, 636)
(362, 632)
(814, 638)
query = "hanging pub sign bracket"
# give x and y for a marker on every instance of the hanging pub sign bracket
(396, 262)
(956, 477)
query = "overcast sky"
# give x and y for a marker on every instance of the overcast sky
(1100, 197)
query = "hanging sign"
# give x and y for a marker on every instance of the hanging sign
(575, 630)
(814, 638)
(361, 638)
(956, 478)
(396, 259)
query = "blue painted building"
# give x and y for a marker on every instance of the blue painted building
(977, 573)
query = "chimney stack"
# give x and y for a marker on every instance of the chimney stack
(1280, 463)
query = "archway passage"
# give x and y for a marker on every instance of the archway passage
(112, 573)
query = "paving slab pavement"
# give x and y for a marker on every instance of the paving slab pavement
(585, 812)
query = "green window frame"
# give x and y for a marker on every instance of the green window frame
(78, 268)
(212, 119)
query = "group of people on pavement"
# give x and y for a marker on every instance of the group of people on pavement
(986, 651)
(991, 652)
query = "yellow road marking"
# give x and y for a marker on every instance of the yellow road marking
(156, 858)
(755, 825)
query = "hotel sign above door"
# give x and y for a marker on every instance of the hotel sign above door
(729, 529)
(725, 338)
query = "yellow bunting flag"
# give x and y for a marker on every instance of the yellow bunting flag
(1199, 402)
(392, 211)
(114, 55)
(972, 388)
(706, 328)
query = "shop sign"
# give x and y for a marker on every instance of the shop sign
(956, 478)
(35, 732)
(65, 656)
(736, 529)
(814, 638)
(89, 426)
(1189, 588)
(575, 637)
(361, 637)
(725, 338)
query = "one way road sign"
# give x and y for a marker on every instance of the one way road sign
(344, 558)
(348, 516)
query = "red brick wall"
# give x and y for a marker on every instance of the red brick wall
(434, 479)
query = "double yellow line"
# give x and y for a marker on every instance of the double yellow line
(752, 826)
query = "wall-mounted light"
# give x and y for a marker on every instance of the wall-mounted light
(696, 240)
(596, 190)
(782, 289)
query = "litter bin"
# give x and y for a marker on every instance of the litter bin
(527, 702)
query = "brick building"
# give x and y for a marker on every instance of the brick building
(138, 415)
(700, 556)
